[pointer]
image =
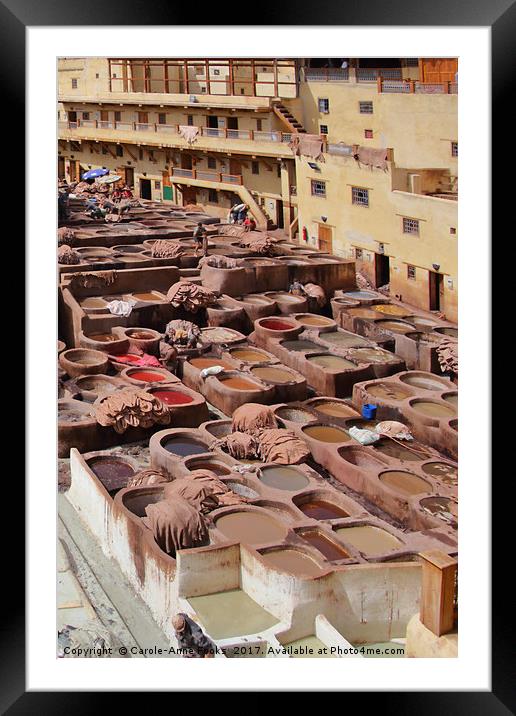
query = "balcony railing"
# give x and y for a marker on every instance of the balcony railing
(371, 74)
(203, 175)
(415, 87)
(326, 74)
(217, 132)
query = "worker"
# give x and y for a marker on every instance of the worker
(192, 641)
(126, 192)
(242, 214)
(249, 223)
(234, 212)
(201, 239)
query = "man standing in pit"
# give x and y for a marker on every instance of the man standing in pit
(201, 239)
(192, 641)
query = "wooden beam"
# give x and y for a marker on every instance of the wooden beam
(103, 144)
(93, 148)
(133, 156)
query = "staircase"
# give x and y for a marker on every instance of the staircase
(288, 118)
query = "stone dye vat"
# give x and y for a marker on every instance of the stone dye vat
(369, 539)
(250, 526)
(292, 561)
(284, 477)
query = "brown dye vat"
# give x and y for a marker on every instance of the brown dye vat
(433, 410)
(93, 303)
(292, 561)
(369, 539)
(311, 320)
(219, 335)
(452, 332)
(274, 375)
(146, 296)
(256, 299)
(325, 546)
(208, 363)
(397, 451)
(405, 482)
(184, 446)
(362, 312)
(284, 478)
(111, 472)
(239, 384)
(249, 356)
(326, 434)
(390, 310)
(334, 363)
(321, 510)
(361, 457)
(141, 335)
(452, 398)
(101, 387)
(285, 297)
(395, 326)
(337, 410)
(422, 381)
(215, 467)
(390, 391)
(250, 527)
(342, 340)
(301, 346)
(437, 504)
(219, 430)
(136, 503)
(295, 415)
(441, 471)
(371, 355)
(102, 337)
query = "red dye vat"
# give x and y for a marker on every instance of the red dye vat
(172, 397)
(275, 325)
(124, 358)
(146, 376)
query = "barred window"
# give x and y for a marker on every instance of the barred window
(453, 230)
(162, 118)
(318, 188)
(359, 254)
(455, 149)
(255, 167)
(118, 116)
(86, 115)
(411, 272)
(119, 150)
(157, 185)
(213, 196)
(323, 129)
(189, 120)
(365, 107)
(359, 196)
(410, 226)
(212, 163)
(368, 133)
(324, 105)
(74, 83)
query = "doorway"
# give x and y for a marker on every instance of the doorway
(279, 214)
(213, 122)
(235, 168)
(143, 117)
(325, 239)
(186, 161)
(104, 115)
(145, 189)
(129, 176)
(381, 270)
(436, 289)
(189, 195)
(232, 122)
(72, 116)
(61, 167)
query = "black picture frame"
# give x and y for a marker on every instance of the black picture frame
(15, 17)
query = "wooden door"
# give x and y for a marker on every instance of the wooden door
(129, 176)
(143, 117)
(186, 161)
(104, 115)
(438, 69)
(325, 239)
(435, 290)
(235, 167)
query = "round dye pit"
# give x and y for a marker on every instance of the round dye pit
(67, 414)
(241, 489)
(292, 561)
(125, 358)
(219, 335)
(332, 363)
(390, 310)
(301, 346)
(273, 374)
(371, 355)
(310, 319)
(147, 296)
(362, 313)
(334, 408)
(205, 464)
(361, 457)
(327, 547)
(184, 446)
(395, 326)
(102, 337)
(433, 409)
(452, 332)
(369, 539)
(136, 501)
(146, 376)
(250, 356)
(113, 473)
(237, 383)
(93, 302)
(419, 380)
(250, 527)
(284, 478)
(202, 363)
(341, 339)
(219, 429)
(287, 297)
(258, 300)
(97, 385)
(438, 505)
(326, 433)
(405, 483)
(421, 321)
(389, 391)
(398, 452)
(452, 399)
(295, 415)
(441, 471)
(130, 249)
(274, 324)
(172, 397)
(321, 510)
(360, 294)
(141, 335)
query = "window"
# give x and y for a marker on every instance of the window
(318, 188)
(365, 107)
(119, 150)
(259, 124)
(162, 118)
(74, 83)
(411, 273)
(213, 196)
(255, 167)
(189, 120)
(410, 226)
(453, 230)
(323, 129)
(104, 149)
(212, 163)
(157, 185)
(86, 115)
(97, 75)
(358, 254)
(324, 106)
(455, 149)
(368, 133)
(359, 196)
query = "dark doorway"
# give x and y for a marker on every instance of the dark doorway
(72, 116)
(279, 211)
(129, 176)
(382, 270)
(435, 286)
(145, 189)
(213, 122)
(189, 195)
(186, 161)
(61, 167)
(232, 122)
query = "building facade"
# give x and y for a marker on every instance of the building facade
(216, 132)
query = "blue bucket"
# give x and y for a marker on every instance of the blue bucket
(368, 411)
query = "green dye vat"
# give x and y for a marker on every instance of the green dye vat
(234, 613)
